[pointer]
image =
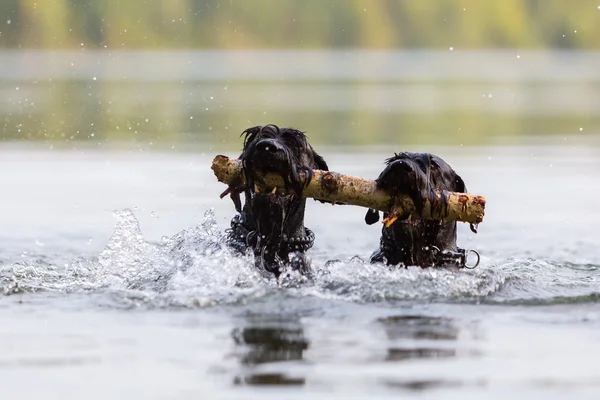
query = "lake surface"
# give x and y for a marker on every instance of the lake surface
(91, 309)
(104, 165)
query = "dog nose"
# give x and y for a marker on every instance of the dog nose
(267, 146)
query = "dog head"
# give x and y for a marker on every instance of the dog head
(275, 221)
(284, 151)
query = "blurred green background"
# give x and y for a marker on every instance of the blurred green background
(240, 24)
(172, 73)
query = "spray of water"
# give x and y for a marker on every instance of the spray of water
(195, 268)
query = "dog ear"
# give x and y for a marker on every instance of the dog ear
(320, 162)
(459, 184)
(250, 134)
(372, 216)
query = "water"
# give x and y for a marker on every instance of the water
(100, 302)
(408, 97)
(115, 283)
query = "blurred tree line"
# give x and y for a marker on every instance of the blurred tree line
(159, 24)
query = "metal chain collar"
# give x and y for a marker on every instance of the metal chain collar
(458, 258)
(245, 237)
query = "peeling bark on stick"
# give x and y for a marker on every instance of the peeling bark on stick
(339, 188)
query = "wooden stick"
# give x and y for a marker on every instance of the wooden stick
(338, 188)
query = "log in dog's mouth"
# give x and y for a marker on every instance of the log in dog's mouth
(267, 156)
(274, 194)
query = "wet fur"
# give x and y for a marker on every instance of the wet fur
(408, 242)
(274, 222)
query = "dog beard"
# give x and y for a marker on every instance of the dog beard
(273, 216)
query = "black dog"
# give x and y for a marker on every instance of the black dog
(415, 241)
(272, 225)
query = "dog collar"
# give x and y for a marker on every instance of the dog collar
(436, 256)
(241, 237)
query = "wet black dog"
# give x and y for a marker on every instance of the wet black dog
(415, 241)
(272, 225)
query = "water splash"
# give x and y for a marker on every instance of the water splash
(192, 269)
(360, 281)
(129, 261)
(195, 268)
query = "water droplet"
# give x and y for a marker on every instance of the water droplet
(518, 56)
(451, 49)
(94, 78)
(580, 129)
